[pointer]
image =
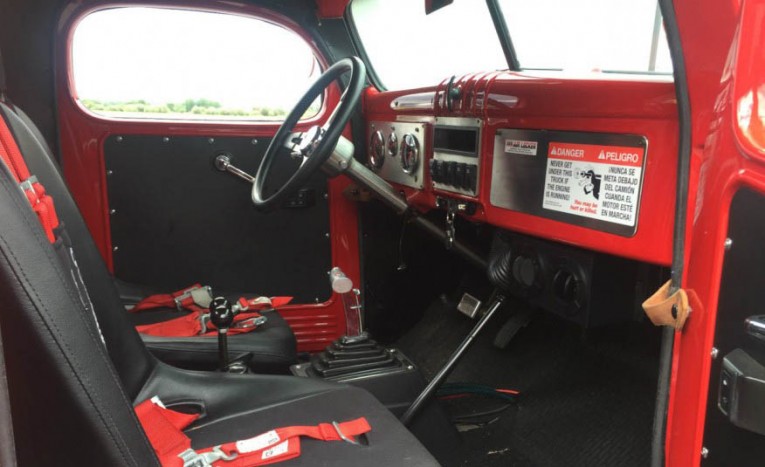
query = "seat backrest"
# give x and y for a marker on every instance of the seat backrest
(127, 351)
(71, 398)
(67, 399)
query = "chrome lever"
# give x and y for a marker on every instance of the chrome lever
(223, 163)
(755, 327)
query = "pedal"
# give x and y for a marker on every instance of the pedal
(469, 305)
(511, 327)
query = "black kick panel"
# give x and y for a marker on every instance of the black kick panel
(589, 179)
(741, 295)
(177, 220)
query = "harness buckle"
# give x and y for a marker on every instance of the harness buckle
(28, 185)
(191, 458)
(204, 318)
(342, 436)
(253, 322)
(200, 295)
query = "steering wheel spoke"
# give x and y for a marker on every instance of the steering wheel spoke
(315, 145)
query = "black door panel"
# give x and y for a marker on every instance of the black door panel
(177, 220)
(741, 295)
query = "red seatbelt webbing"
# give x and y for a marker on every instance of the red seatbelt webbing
(169, 300)
(42, 204)
(164, 428)
(190, 325)
(11, 154)
(197, 322)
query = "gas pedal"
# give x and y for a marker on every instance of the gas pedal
(511, 327)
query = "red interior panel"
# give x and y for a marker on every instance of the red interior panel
(522, 101)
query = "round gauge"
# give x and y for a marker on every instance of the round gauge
(392, 144)
(410, 153)
(377, 150)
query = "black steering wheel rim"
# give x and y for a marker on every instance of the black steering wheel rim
(339, 118)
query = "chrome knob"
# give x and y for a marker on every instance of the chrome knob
(410, 153)
(377, 150)
(392, 144)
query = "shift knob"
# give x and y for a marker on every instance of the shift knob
(339, 281)
(221, 313)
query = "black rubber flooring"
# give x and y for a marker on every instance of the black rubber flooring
(585, 400)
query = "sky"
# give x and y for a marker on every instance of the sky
(166, 56)
(162, 55)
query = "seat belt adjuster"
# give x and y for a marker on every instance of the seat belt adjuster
(28, 185)
(199, 295)
(191, 458)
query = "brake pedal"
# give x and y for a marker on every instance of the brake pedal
(511, 327)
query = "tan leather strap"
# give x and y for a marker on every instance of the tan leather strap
(664, 309)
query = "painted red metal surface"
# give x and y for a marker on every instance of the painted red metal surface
(723, 47)
(331, 8)
(82, 135)
(596, 105)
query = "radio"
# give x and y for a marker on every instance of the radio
(455, 165)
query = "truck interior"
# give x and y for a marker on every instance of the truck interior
(367, 232)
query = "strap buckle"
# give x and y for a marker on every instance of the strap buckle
(28, 185)
(204, 318)
(191, 458)
(255, 321)
(343, 437)
(244, 304)
(200, 295)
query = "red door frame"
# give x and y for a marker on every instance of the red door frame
(82, 136)
(723, 48)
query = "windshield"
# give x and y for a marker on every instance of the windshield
(588, 35)
(409, 49)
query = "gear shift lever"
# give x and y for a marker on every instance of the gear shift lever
(222, 317)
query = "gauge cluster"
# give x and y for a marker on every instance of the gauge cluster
(397, 152)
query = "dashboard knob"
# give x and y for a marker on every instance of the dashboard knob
(377, 150)
(410, 153)
(566, 286)
(392, 144)
(525, 271)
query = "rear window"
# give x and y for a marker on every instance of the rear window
(157, 63)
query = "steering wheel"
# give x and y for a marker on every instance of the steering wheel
(315, 145)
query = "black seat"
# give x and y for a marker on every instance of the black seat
(271, 348)
(74, 376)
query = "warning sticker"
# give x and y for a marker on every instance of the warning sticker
(524, 148)
(595, 181)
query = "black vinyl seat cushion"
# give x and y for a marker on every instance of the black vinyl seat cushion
(242, 406)
(270, 348)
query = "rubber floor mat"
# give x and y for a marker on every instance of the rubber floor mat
(585, 400)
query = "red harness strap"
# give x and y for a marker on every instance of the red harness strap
(197, 323)
(191, 298)
(164, 428)
(41, 202)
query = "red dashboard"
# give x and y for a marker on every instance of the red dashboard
(513, 145)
